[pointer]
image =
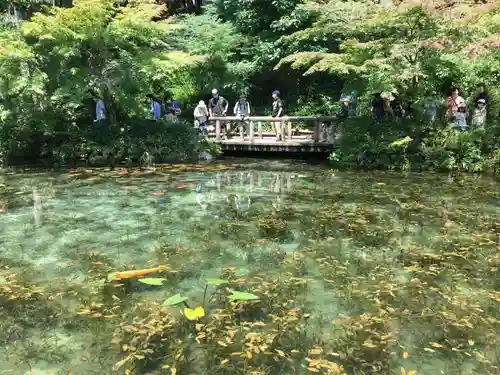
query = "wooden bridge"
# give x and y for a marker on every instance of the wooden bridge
(316, 134)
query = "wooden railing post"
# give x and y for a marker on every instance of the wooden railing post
(259, 129)
(282, 130)
(242, 129)
(289, 130)
(317, 125)
(217, 130)
(250, 124)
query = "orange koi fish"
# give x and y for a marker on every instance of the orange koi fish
(137, 273)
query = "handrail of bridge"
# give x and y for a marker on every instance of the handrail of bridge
(318, 122)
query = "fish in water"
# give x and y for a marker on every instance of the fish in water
(157, 193)
(184, 186)
(137, 273)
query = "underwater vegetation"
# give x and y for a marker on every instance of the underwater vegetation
(227, 269)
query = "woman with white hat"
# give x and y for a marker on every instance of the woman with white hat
(201, 117)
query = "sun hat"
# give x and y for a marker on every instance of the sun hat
(276, 92)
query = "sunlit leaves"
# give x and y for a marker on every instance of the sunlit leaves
(194, 314)
(216, 281)
(175, 300)
(384, 45)
(242, 296)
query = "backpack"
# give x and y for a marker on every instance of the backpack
(243, 107)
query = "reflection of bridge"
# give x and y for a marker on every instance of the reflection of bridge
(319, 139)
(251, 180)
(280, 181)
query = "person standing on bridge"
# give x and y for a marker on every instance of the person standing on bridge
(201, 117)
(217, 107)
(242, 110)
(154, 107)
(277, 111)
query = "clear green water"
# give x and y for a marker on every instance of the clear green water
(417, 252)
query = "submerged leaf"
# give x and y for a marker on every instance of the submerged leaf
(242, 296)
(175, 300)
(194, 314)
(152, 280)
(216, 281)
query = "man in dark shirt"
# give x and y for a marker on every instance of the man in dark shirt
(277, 111)
(217, 107)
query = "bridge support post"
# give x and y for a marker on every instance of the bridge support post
(259, 129)
(289, 130)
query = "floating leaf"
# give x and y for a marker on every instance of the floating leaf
(152, 280)
(175, 300)
(194, 314)
(216, 281)
(242, 296)
(405, 355)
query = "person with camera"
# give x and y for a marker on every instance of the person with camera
(457, 109)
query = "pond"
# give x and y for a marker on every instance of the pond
(248, 267)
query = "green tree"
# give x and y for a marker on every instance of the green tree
(51, 67)
(406, 46)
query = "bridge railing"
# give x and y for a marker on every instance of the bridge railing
(316, 127)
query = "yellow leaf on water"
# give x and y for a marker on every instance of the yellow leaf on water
(173, 371)
(194, 314)
(315, 351)
(412, 372)
(405, 355)
(224, 362)
(281, 353)
(249, 354)
(436, 345)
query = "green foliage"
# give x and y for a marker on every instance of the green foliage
(416, 146)
(52, 66)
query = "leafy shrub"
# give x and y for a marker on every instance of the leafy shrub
(416, 146)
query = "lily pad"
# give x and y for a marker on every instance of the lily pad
(152, 280)
(216, 281)
(175, 300)
(194, 314)
(242, 296)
